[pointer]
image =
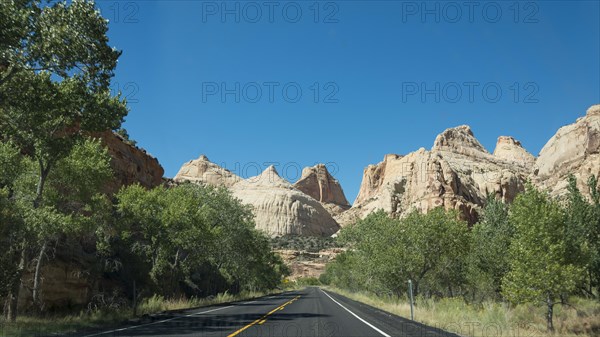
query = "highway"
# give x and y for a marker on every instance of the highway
(308, 312)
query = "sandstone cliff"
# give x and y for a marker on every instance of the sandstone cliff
(202, 170)
(318, 183)
(510, 149)
(305, 264)
(574, 149)
(457, 173)
(130, 164)
(281, 209)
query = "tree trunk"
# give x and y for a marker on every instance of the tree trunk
(549, 314)
(591, 283)
(416, 289)
(44, 170)
(418, 279)
(13, 295)
(37, 276)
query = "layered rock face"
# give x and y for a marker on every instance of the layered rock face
(318, 183)
(304, 264)
(130, 164)
(65, 283)
(510, 149)
(457, 173)
(281, 209)
(202, 170)
(574, 149)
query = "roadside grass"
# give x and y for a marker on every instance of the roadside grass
(38, 326)
(580, 318)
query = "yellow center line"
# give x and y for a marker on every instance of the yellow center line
(263, 319)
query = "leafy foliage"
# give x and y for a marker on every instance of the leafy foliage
(305, 243)
(536, 250)
(490, 242)
(55, 72)
(429, 249)
(583, 232)
(545, 254)
(180, 230)
(541, 267)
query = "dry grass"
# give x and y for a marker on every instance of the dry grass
(581, 318)
(37, 326)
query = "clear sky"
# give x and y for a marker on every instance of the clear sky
(345, 82)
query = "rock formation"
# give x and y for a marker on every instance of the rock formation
(305, 264)
(458, 173)
(511, 149)
(574, 149)
(318, 183)
(281, 209)
(202, 170)
(130, 164)
(66, 281)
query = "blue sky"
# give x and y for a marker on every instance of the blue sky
(345, 82)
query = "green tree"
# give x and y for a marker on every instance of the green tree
(491, 237)
(55, 72)
(429, 249)
(594, 233)
(436, 244)
(344, 272)
(541, 269)
(74, 190)
(583, 231)
(70, 200)
(12, 229)
(372, 262)
(189, 231)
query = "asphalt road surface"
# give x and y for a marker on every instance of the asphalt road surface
(308, 312)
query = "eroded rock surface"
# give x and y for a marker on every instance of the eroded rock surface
(318, 183)
(130, 163)
(511, 149)
(281, 209)
(202, 170)
(457, 173)
(574, 149)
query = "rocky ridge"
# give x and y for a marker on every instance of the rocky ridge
(459, 173)
(281, 209)
(510, 149)
(574, 149)
(130, 164)
(318, 183)
(204, 171)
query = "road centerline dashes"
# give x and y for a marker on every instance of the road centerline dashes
(263, 319)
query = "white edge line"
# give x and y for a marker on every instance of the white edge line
(157, 322)
(171, 319)
(355, 315)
